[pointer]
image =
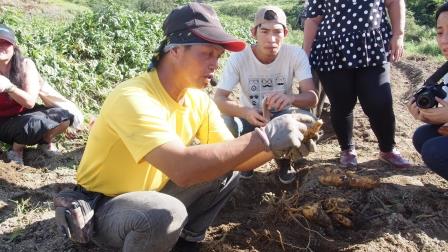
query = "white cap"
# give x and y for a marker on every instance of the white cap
(260, 17)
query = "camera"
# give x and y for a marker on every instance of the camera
(426, 96)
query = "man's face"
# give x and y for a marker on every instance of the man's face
(6, 50)
(269, 36)
(198, 63)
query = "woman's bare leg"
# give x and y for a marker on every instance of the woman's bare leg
(18, 148)
(16, 153)
(61, 128)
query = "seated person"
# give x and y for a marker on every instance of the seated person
(22, 121)
(429, 140)
(140, 152)
(266, 72)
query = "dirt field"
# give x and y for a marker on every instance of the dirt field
(407, 212)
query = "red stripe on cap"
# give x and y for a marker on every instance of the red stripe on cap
(234, 46)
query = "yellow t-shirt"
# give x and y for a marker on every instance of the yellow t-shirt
(137, 117)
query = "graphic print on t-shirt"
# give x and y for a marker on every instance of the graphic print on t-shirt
(260, 86)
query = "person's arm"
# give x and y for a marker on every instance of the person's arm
(27, 95)
(187, 166)
(230, 78)
(190, 165)
(309, 32)
(306, 99)
(437, 115)
(232, 108)
(397, 14)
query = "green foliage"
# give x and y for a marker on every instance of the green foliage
(158, 6)
(247, 9)
(420, 39)
(424, 10)
(238, 27)
(85, 59)
(152, 6)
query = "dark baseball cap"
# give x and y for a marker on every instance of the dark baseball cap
(7, 34)
(198, 23)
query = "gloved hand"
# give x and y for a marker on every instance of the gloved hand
(308, 143)
(282, 133)
(295, 154)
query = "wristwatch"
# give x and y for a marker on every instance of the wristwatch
(11, 88)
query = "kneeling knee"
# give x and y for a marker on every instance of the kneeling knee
(434, 157)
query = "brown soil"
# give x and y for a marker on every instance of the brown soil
(407, 212)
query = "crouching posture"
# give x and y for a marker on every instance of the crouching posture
(22, 121)
(158, 185)
(431, 139)
(267, 73)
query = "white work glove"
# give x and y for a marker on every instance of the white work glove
(282, 133)
(308, 143)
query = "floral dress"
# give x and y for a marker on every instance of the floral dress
(352, 34)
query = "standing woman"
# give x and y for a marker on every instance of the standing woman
(350, 44)
(22, 121)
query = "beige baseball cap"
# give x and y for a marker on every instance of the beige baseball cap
(261, 17)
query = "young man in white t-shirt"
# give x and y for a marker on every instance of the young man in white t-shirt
(266, 70)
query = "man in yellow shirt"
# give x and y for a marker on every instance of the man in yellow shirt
(159, 186)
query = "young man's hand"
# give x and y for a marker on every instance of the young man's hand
(278, 101)
(254, 117)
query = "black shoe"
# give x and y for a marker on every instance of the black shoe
(247, 174)
(183, 245)
(286, 173)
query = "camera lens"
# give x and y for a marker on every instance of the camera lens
(425, 101)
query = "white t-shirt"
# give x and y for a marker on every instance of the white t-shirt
(258, 79)
(445, 86)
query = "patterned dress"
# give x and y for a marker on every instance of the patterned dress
(352, 34)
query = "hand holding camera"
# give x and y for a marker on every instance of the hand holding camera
(424, 106)
(426, 96)
(438, 115)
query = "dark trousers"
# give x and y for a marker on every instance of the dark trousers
(433, 148)
(30, 126)
(371, 85)
(153, 221)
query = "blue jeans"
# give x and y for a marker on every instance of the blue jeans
(433, 148)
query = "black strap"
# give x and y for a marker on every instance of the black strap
(93, 197)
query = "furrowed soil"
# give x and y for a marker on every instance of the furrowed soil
(408, 211)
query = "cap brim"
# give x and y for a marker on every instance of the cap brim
(10, 40)
(218, 36)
